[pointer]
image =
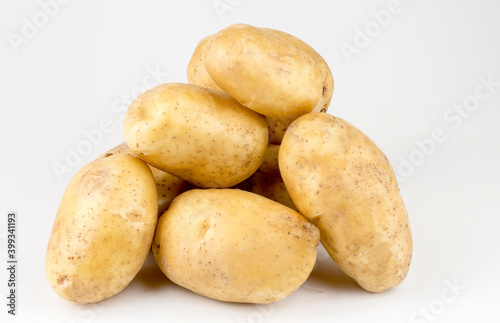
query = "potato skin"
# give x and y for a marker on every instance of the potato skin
(263, 72)
(198, 74)
(196, 71)
(277, 129)
(343, 183)
(168, 186)
(326, 73)
(103, 229)
(201, 135)
(234, 246)
(270, 163)
(267, 185)
(267, 181)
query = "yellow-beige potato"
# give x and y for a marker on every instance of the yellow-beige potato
(234, 246)
(326, 73)
(263, 72)
(201, 135)
(277, 128)
(343, 183)
(168, 186)
(196, 71)
(267, 181)
(103, 229)
(197, 74)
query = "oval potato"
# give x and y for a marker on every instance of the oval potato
(277, 128)
(168, 186)
(201, 135)
(198, 74)
(343, 183)
(264, 72)
(103, 229)
(326, 73)
(234, 246)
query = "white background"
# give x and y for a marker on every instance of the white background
(400, 86)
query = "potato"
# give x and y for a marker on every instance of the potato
(197, 74)
(343, 183)
(196, 71)
(103, 229)
(167, 186)
(234, 246)
(277, 129)
(267, 181)
(201, 135)
(264, 72)
(326, 73)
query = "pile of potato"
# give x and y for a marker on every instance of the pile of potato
(233, 180)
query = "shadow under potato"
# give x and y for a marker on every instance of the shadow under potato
(151, 275)
(326, 275)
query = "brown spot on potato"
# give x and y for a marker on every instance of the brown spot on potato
(61, 279)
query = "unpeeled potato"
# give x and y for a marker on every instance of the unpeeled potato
(198, 74)
(264, 72)
(326, 73)
(343, 183)
(201, 135)
(234, 246)
(103, 229)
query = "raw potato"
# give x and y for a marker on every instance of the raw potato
(264, 72)
(234, 246)
(277, 129)
(201, 135)
(267, 181)
(196, 71)
(197, 74)
(103, 229)
(343, 183)
(167, 186)
(326, 73)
